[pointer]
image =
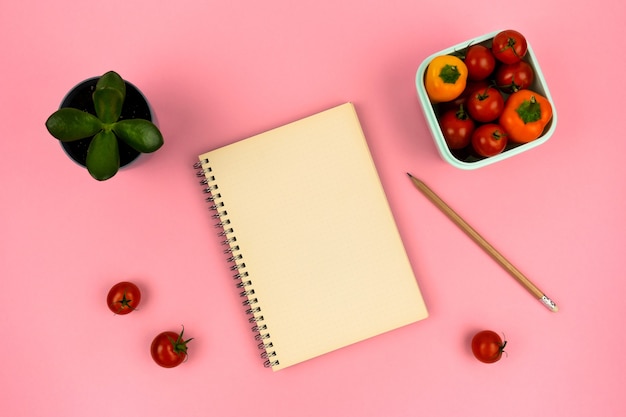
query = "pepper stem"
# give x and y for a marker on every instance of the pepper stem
(449, 74)
(529, 111)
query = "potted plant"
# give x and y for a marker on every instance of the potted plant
(105, 123)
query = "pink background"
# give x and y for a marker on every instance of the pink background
(219, 71)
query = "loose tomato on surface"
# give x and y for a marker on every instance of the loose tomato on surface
(489, 139)
(480, 62)
(457, 128)
(509, 46)
(525, 116)
(169, 349)
(123, 298)
(485, 105)
(514, 77)
(487, 346)
(445, 78)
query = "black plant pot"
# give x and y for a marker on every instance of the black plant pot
(80, 97)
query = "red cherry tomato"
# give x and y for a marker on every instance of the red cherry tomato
(123, 297)
(509, 46)
(457, 128)
(489, 139)
(480, 62)
(487, 346)
(470, 87)
(485, 105)
(169, 349)
(514, 77)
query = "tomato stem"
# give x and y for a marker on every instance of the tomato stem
(179, 345)
(124, 303)
(497, 135)
(461, 114)
(510, 44)
(504, 342)
(485, 93)
(512, 88)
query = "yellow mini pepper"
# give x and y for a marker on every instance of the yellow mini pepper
(445, 78)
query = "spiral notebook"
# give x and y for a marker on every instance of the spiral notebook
(310, 237)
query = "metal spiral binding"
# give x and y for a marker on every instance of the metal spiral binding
(235, 258)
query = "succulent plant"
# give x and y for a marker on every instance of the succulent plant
(105, 128)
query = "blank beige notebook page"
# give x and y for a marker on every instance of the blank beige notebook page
(318, 250)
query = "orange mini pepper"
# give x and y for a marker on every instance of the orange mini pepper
(445, 79)
(525, 116)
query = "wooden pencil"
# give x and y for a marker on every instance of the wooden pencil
(486, 246)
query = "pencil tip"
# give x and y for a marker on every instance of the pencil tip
(549, 303)
(409, 174)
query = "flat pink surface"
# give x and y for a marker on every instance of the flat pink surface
(219, 71)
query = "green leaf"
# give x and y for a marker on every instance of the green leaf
(103, 156)
(140, 134)
(70, 124)
(108, 103)
(112, 80)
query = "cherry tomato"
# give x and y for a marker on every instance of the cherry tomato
(457, 128)
(514, 77)
(485, 105)
(480, 62)
(489, 139)
(487, 346)
(169, 349)
(470, 87)
(123, 297)
(509, 46)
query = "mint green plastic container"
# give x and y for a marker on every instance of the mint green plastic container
(472, 162)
